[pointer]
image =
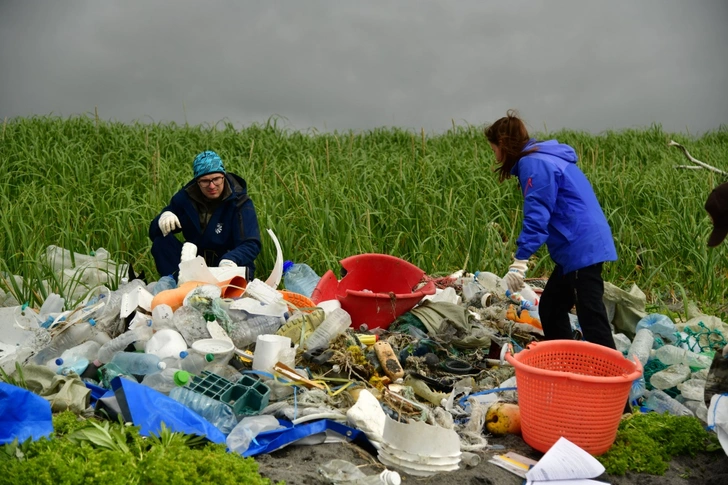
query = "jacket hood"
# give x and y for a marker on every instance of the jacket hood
(553, 148)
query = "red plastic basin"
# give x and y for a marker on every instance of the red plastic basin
(375, 289)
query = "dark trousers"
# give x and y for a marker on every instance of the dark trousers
(584, 287)
(167, 252)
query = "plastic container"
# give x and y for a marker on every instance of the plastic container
(521, 300)
(219, 414)
(77, 366)
(660, 402)
(669, 355)
(247, 331)
(573, 389)
(300, 278)
(641, 346)
(108, 371)
(342, 472)
(670, 377)
(166, 343)
(107, 351)
(163, 317)
(71, 337)
(335, 324)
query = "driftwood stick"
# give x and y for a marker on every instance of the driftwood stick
(694, 160)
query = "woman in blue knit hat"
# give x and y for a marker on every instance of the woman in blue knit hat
(214, 212)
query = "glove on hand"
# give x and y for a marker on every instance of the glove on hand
(226, 263)
(516, 272)
(168, 222)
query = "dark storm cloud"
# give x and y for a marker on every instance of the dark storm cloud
(341, 65)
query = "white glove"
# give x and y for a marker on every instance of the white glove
(168, 222)
(226, 263)
(516, 272)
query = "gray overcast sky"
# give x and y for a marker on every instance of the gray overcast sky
(588, 65)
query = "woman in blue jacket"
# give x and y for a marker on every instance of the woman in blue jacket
(560, 210)
(214, 212)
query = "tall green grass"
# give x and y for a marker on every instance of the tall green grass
(432, 199)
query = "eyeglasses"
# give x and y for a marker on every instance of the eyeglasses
(213, 181)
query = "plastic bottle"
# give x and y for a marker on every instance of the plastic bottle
(195, 363)
(641, 346)
(247, 331)
(164, 283)
(108, 371)
(692, 389)
(660, 402)
(658, 324)
(670, 377)
(669, 355)
(342, 472)
(336, 323)
(138, 363)
(74, 335)
(87, 350)
(77, 366)
(162, 381)
(219, 414)
(519, 299)
(638, 389)
(191, 324)
(107, 351)
(299, 278)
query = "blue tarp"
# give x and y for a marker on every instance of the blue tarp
(276, 439)
(23, 415)
(148, 408)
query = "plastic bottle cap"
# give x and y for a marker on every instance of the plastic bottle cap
(209, 357)
(92, 322)
(181, 377)
(183, 354)
(287, 265)
(149, 323)
(59, 361)
(162, 365)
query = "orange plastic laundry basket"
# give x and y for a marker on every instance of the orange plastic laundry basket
(572, 389)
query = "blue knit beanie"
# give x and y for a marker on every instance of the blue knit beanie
(207, 162)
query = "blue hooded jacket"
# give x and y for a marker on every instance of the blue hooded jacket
(232, 231)
(560, 209)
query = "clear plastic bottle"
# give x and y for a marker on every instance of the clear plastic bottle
(692, 389)
(299, 278)
(77, 366)
(107, 351)
(520, 299)
(245, 332)
(164, 283)
(342, 472)
(75, 335)
(138, 363)
(195, 363)
(335, 324)
(219, 414)
(641, 346)
(670, 377)
(162, 381)
(87, 350)
(660, 402)
(669, 355)
(108, 371)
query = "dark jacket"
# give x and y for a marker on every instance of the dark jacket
(560, 209)
(232, 231)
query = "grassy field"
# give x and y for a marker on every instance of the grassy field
(431, 199)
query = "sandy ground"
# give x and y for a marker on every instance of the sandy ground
(298, 465)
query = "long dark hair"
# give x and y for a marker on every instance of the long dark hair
(510, 135)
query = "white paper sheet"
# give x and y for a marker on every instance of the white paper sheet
(565, 461)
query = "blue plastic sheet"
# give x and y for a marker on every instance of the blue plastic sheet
(96, 392)
(148, 409)
(271, 441)
(23, 415)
